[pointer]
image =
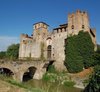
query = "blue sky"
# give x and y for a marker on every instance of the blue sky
(18, 16)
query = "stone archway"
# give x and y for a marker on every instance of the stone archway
(6, 72)
(29, 74)
(49, 51)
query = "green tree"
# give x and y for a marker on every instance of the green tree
(13, 51)
(94, 83)
(96, 56)
(98, 48)
(86, 48)
(79, 50)
(73, 60)
(2, 55)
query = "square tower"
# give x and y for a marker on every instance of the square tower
(78, 21)
(40, 30)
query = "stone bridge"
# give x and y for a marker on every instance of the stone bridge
(19, 69)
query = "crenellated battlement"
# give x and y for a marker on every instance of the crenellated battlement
(61, 29)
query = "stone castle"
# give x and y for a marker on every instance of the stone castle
(51, 45)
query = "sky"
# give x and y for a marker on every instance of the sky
(18, 16)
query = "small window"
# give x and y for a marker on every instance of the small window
(72, 26)
(82, 26)
(35, 26)
(23, 40)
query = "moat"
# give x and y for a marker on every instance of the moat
(51, 87)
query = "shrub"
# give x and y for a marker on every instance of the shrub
(69, 83)
(94, 83)
(51, 69)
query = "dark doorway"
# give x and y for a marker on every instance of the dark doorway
(49, 50)
(6, 72)
(49, 65)
(28, 75)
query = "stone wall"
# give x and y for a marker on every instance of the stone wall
(31, 46)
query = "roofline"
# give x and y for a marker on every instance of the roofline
(41, 22)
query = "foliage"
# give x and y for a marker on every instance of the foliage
(52, 69)
(79, 50)
(49, 77)
(2, 55)
(98, 48)
(21, 85)
(94, 83)
(13, 51)
(69, 83)
(96, 56)
(86, 48)
(73, 61)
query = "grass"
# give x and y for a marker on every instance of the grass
(69, 83)
(18, 84)
(61, 78)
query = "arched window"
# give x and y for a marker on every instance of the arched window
(72, 26)
(49, 50)
(82, 26)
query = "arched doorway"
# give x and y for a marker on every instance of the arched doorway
(6, 72)
(29, 74)
(49, 51)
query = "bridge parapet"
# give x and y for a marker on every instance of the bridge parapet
(20, 67)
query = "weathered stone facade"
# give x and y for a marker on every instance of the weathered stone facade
(51, 45)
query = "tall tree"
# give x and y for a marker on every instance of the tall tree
(13, 51)
(86, 48)
(73, 60)
(79, 50)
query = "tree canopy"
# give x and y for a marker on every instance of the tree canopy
(13, 51)
(79, 50)
(2, 54)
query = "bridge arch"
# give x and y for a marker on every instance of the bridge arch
(29, 73)
(6, 71)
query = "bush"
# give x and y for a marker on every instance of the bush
(69, 83)
(51, 69)
(94, 83)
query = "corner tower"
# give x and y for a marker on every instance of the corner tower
(40, 31)
(78, 21)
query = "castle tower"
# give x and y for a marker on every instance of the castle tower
(40, 31)
(78, 21)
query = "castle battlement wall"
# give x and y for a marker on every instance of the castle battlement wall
(51, 45)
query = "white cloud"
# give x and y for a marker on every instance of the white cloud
(5, 41)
